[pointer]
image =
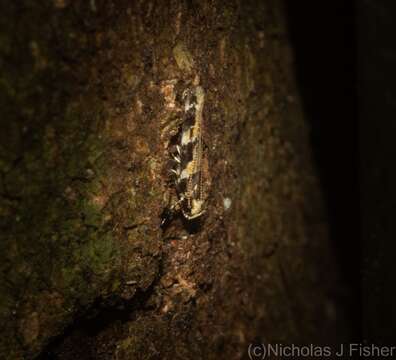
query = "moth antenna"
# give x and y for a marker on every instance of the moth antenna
(178, 149)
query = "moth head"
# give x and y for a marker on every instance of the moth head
(196, 209)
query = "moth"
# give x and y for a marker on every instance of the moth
(190, 168)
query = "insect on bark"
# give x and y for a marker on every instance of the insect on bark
(189, 171)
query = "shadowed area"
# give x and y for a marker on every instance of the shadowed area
(323, 37)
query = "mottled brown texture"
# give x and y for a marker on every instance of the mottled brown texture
(90, 97)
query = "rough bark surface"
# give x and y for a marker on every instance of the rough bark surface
(89, 92)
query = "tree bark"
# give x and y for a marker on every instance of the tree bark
(90, 95)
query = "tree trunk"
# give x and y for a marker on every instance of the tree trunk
(91, 97)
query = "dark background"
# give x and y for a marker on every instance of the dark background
(323, 35)
(345, 61)
(377, 135)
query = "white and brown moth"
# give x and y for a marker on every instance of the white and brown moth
(190, 172)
